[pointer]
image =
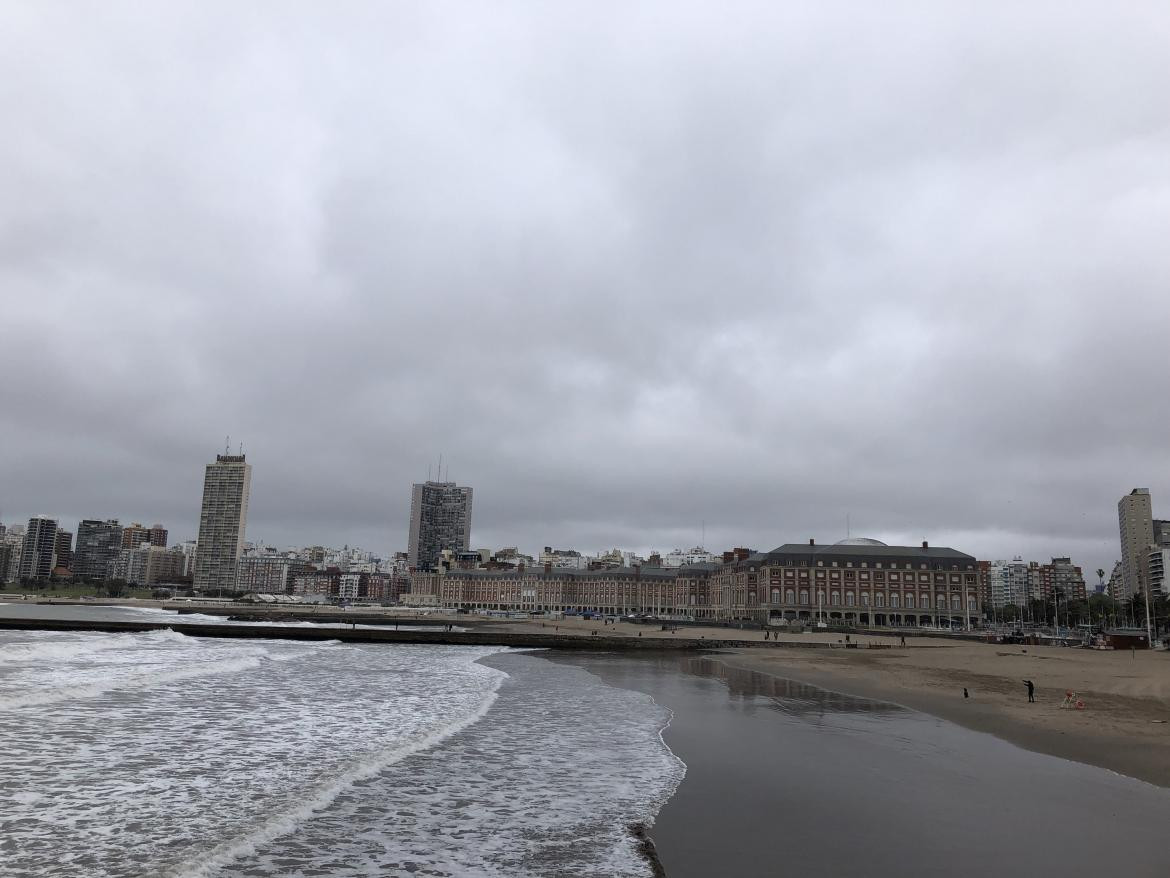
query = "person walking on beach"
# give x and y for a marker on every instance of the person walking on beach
(1031, 691)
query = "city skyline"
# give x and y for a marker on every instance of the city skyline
(626, 279)
(385, 549)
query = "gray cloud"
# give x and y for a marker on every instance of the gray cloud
(629, 270)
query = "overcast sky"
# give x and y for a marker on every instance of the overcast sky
(628, 267)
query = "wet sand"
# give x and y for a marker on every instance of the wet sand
(785, 778)
(1124, 726)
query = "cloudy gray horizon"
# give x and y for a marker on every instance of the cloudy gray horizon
(630, 268)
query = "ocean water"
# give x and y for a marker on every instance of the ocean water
(159, 754)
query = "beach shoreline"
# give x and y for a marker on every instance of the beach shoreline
(785, 777)
(1125, 733)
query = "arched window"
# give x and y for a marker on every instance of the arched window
(835, 599)
(910, 602)
(879, 599)
(849, 599)
(894, 600)
(775, 596)
(789, 596)
(865, 598)
(804, 596)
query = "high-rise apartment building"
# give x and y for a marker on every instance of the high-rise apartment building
(1136, 524)
(63, 550)
(137, 535)
(7, 551)
(222, 520)
(158, 536)
(98, 544)
(134, 535)
(440, 518)
(40, 543)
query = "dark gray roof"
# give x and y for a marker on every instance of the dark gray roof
(655, 573)
(935, 554)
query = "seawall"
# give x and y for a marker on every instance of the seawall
(524, 640)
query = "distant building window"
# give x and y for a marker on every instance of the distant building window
(804, 596)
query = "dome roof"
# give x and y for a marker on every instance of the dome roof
(859, 541)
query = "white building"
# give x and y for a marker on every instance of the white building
(1159, 564)
(694, 555)
(1010, 582)
(563, 559)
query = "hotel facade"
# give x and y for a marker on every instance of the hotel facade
(856, 581)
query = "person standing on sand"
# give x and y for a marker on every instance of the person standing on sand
(1031, 691)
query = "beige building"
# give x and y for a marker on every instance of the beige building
(222, 520)
(1135, 517)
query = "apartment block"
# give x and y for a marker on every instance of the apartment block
(38, 548)
(440, 518)
(98, 545)
(1135, 519)
(222, 521)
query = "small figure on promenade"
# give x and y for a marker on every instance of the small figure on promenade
(903, 640)
(966, 694)
(1031, 691)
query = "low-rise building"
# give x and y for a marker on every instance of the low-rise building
(857, 580)
(147, 565)
(268, 574)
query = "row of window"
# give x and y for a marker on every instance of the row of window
(878, 565)
(879, 598)
(863, 576)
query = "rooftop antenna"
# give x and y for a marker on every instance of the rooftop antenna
(227, 445)
(440, 466)
(429, 465)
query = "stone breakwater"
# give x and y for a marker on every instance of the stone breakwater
(522, 640)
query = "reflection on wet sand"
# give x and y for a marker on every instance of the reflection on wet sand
(787, 778)
(789, 696)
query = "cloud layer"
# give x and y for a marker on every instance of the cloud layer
(629, 269)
